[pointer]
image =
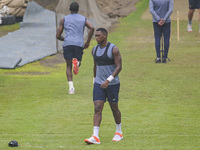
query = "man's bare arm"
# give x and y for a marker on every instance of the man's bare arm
(90, 33)
(60, 31)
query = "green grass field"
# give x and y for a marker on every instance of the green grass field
(159, 102)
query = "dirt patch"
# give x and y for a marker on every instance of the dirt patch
(112, 8)
(48, 4)
(3, 33)
(117, 8)
(53, 61)
(28, 73)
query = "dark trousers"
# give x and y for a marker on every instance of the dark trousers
(158, 31)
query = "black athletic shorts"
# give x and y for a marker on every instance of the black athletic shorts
(70, 52)
(194, 4)
(111, 93)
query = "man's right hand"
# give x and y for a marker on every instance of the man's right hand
(87, 44)
(161, 22)
(105, 84)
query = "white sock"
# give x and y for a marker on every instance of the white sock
(96, 131)
(71, 85)
(78, 64)
(118, 128)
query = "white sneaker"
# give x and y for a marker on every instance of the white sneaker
(72, 91)
(189, 28)
(117, 137)
(93, 140)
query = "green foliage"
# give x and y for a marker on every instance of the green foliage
(9, 27)
(159, 102)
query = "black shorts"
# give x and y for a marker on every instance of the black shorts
(111, 93)
(70, 52)
(194, 4)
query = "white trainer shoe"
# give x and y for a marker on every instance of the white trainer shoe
(72, 91)
(189, 28)
(117, 137)
(93, 140)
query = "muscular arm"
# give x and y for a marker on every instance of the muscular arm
(118, 64)
(90, 33)
(60, 31)
(118, 61)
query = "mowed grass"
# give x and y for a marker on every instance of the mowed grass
(159, 102)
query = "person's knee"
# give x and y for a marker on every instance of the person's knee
(97, 109)
(116, 112)
(115, 109)
(191, 11)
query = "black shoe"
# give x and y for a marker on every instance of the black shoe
(164, 61)
(157, 60)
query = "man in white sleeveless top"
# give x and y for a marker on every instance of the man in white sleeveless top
(73, 45)
(107, 65)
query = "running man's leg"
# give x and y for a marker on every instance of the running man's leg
(77, 57)
(68, 55)
(192, 7)
(190, 16)
(69, 70)
(70, 76)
